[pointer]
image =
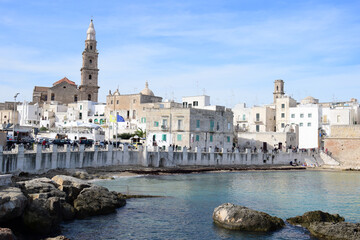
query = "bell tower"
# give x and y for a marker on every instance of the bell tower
(89, 72)
(278, 89)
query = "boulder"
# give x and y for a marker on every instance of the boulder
(6, 234)
(43, 216)
(38, 185)
(71, 186)
(241, 218)
(58, 238)
(12, 203)
(338, 231)
(82, 175)
(96, 200)
(315, 216)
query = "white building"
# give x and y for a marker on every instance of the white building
(29, 115)
(196, 101)
(308, 118)
(241, 117)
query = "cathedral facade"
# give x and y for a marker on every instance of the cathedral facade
(66, 91)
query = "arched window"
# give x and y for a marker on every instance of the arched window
(52, 97)
(89, 97)
(90, 76)
(90, 61)
(90, 47)
(96, 121)
(75, 98)
(90, 120)
(277, 88)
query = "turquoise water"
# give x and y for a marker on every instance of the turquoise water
(186, 211)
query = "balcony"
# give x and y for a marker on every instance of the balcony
(164, 127)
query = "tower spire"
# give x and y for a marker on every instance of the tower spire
(91, 32)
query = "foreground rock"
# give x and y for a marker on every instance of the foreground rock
(335, 231)
(96, 200)
(45, 208)
(12, 203)
(315, 216)
(71, 186)
(58, 238)
(236, 217)
(6, 234)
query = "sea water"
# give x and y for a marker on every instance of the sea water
(185, 211)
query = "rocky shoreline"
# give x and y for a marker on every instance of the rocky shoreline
(321, 225)
(34, 209)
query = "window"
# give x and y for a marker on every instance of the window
(211, 138)
(143, 120)
(134, 113)
(301, 115)
(90, 47)
(282, 115)
(80, 107)
(164, 123)
(283, 105)
(197, 123)
(228, 138)
(184, 104)
(292, 115)
(338, 119)
(195, 103)
(89, 97)
(75, 98)
(301, 124)
(212, 124)
(229, 126)
(90, 61)
(244, 117)
(156, 124)
(52, 97)
(283, 125)
(111, 102)
(309, 124)
(179, 137)
(309, 115)
(117, 101)
(90, 76)
(325, 119)
(180, 124)
(258, 117)
(257, 128)
(197, 138)
(164, 137)
(80, 116)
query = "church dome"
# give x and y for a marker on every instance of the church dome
(146, 90)
(309, 100)
(91, 32)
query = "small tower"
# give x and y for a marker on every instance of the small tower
(89, 72)
(278, 89)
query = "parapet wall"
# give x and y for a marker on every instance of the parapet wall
(40, 160)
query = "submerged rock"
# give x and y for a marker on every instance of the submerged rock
(315, 216)
(96, 200)
(12, 203)
(236, 217)
(335, 231)
(6, 234)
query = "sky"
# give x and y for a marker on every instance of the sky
(231, 50)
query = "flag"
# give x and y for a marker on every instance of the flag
(112, 118)
(119, 118)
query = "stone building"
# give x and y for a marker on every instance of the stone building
(65, 91)
(130, 106)
(190, 127)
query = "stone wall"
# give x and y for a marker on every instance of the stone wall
(40, 160)
(344, 145)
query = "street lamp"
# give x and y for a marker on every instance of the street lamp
(14, 115)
